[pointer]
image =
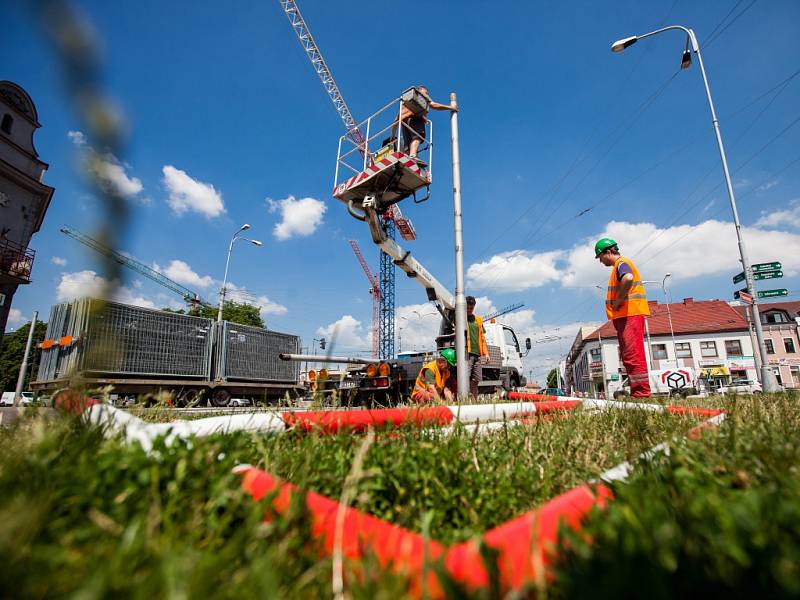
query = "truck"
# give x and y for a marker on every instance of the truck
(142, 351)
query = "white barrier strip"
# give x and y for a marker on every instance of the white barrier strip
(135, 429)
(469, 413)
(622, 470)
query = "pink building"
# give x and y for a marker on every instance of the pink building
(780, 322)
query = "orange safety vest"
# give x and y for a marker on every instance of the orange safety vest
(483, 349)
(441, 377)
(635, 302)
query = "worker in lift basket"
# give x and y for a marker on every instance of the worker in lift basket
(434, 380)
(477, 350)
(626, 308)
(414, 125)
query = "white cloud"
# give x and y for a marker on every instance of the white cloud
(15, 318)
(768, 185)
(181, 272)
(346, 333)
(81, 284)
(416, 326)
(243, 295)
(57, 260)
(789, 216)
(298, 217)
(107, 170)
(515, 271)
(187, 194)
(268, 307)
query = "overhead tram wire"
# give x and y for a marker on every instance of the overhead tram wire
(581, 157)
(723, 209)
(711, 39)
(639, 112)
(746, 162)
(650, 240)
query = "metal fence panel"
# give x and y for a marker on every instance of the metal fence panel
(251, 354)
(123, 339)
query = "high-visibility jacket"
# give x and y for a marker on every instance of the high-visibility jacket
(483, 349)
(635, 302)
(441, 377)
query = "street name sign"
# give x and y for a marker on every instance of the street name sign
(739, 277)
(773, 293)
(770, 266)
(768, 275)
(738, 292)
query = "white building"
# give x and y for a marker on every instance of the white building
(708, 341)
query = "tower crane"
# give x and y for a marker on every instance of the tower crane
(377, 297)
(505, 310)
(384, 311)
(190, 297)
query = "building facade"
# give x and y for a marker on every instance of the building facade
(705, 342)
(24, 198)
(780, 320)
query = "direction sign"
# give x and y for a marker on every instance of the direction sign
(768, 275)
(738, 292)
(739, 277)
(773, 293)
(771, 266)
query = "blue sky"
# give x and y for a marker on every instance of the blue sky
(225, 114)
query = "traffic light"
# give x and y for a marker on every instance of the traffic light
(322, 344)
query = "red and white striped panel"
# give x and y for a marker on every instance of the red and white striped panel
(381, 165)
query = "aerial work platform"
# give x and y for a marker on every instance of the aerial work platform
(385, 176)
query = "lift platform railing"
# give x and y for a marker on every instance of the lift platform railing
(385, 131)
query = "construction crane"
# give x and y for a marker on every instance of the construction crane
(190, 297)
(393, 218)
(504, 311)
(315, 56)
(377, 296)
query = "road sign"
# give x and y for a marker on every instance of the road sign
(737, 293)
(739, 277)
(773, 293)
(768, 275)
(771, 266)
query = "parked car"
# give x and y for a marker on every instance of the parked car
(8, 398)
(240, 402)
(741, 386)
(553, 392)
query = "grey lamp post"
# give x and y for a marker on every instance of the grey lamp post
(663, 284)
(236, 236)
(768, 382)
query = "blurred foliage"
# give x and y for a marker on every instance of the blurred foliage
(12, 352)
(235, 312)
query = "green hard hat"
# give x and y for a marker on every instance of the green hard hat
(449, 355)
(602, 245)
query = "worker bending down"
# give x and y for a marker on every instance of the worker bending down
(626, 307)
(434, 382)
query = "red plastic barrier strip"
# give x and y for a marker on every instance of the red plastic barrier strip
(331, 421)
(393, 546)
(73, 402)
(543, 408)
(527, 543)
(692, 410)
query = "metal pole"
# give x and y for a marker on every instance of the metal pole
(649, 341)
(461, 304)
(23, 369)
(669, 317)
(603, 366)
(768, 381)
(225, 280)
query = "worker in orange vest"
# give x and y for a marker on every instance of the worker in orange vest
(434, 380)
(626, 308)
(477, 350)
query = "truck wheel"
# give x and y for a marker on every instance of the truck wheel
(220, 397)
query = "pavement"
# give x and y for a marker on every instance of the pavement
(9, 414)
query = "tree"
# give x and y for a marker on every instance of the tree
(13, 351)
(552, 379)
(235, 312)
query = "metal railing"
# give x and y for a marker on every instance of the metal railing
(15, 259)
(385, 131)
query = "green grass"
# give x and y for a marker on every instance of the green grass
(85, 516)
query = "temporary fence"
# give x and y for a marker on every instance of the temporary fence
(252, 354)
(92, 337)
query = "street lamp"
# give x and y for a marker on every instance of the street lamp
(236, 236)
(768, 381)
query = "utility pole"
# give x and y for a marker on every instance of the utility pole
(23, 369)
(461, 304)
